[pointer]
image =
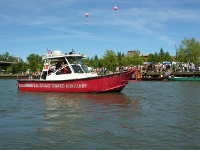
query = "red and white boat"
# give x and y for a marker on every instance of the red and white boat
(67, 73)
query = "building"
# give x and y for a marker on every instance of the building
(145, 56)
(130, 52)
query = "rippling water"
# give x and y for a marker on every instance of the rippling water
(145, 115)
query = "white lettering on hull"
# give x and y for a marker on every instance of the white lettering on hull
(76, 85)
(58, 85)
(54, 85)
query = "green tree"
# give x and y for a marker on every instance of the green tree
(92, 62)
(119, 57)
(34, 62)
(96, 61)
(23, 67)
(161, 55)
(124, 61)
(189, 51)
(9, 70)
(34, 57)
(86, 61)
(8, 57)
(101, 60)
(15, 69)
(157, 57)
(34, 66)
(110, 60)
(40, 65)
(135, 59)
(167, 57)
(151, 58)
(12, 68)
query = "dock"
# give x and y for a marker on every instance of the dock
(157, 76)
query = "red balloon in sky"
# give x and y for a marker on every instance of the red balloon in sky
(115, 8)
(86, 15)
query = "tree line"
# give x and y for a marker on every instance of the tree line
(188, 51)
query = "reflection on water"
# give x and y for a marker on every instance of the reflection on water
(83, 114)
(54, 100)
(145, 115)
(86, 102)
(108, 99)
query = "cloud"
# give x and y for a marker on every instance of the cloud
(154, 18)
(167, 40)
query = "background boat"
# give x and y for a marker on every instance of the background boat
(184, 78)
(150, 79)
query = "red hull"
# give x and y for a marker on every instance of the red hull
(108, 83)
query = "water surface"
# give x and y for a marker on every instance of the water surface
(144, 115)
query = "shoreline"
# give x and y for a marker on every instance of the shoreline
(17, 77)
(144, 75)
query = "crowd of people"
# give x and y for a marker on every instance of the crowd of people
(146, 68)
(173, 67)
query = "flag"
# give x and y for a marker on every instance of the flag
(49, 52)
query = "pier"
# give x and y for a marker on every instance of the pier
(150, 76)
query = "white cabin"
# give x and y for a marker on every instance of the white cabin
(66, 66)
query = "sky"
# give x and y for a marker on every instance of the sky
(31, 26)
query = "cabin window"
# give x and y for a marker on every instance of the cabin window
(73, 60)
(65, 70)
(85, 68)
(77, 69)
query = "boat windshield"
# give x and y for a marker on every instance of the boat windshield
(85, 68)
(77, 69)
(75, 60)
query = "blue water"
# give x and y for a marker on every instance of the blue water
(145, 115)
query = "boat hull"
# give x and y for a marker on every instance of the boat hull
(108, 83)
